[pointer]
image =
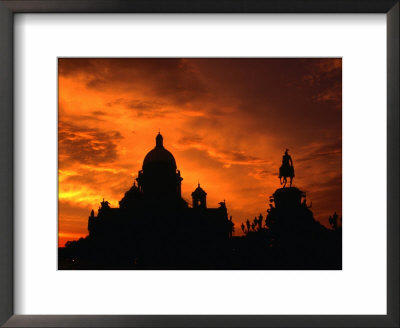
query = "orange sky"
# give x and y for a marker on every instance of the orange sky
(226, 121)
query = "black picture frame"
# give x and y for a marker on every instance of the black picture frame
(7, 10)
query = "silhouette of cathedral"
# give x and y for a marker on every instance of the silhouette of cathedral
(155, 228)
(154, 218)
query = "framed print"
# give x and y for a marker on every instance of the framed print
(165, 166)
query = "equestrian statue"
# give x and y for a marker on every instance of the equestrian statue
(286, 170)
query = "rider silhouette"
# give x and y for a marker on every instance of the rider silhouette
(286, 159)
(287, 169)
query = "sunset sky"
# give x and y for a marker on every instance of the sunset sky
(226, 121)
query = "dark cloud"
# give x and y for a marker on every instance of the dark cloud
(142, 108)
(321, 151)
(332, 94)
(190, 139)
(271, 95)
(173, 80)
(86, 145)
(260, 91)
(221, 155)
(99, 113)
(89, 118)
(262, 173)
(241, 157)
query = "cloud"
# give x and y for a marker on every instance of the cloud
(173, 80)
(99, 113)
(86, 145)
(332, 94)
(141, 108)
(220, 154)
(191, 140)
(94, 176)
(321, 151)
(319, 70)
(261, 173)
(329, 65)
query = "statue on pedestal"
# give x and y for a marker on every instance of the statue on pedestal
(286, 170)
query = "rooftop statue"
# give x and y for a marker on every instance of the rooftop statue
(286, 170)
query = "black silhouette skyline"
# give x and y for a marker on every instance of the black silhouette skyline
(155, 228)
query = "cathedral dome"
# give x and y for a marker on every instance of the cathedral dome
(159, 156)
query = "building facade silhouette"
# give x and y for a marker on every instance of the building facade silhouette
(154, 204)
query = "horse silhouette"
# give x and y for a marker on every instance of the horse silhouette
(286, 170)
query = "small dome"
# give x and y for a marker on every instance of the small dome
(199, 191)
(130, 197)
(159, 155)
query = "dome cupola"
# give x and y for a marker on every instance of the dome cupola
(159, 178)
(159, 156)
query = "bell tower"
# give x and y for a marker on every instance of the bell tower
(199, 198)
